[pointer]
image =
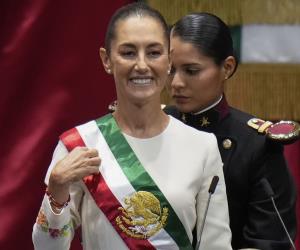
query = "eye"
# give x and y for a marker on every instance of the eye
(154, 53)
(192, 71)
(128, 54)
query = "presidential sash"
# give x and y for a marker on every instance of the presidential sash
(137, 209)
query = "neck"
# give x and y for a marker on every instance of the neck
(215, 103)
(141, 120)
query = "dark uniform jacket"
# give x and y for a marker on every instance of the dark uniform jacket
(248, 157)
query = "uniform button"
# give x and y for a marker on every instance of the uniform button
(227, 143)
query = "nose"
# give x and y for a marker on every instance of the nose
(141, 64)
(177, 82)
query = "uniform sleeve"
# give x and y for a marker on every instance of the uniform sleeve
(263, 229)
(216, 233)
(53, 231)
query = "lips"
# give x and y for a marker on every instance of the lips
(181, 98)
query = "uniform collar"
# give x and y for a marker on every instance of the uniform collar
(207, 119)
(209, 107)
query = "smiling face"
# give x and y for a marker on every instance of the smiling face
(138, 59)
(197, 81)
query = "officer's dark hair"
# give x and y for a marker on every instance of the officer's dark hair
(129, 10)
(208, 33)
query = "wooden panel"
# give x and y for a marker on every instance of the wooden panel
(268, 91)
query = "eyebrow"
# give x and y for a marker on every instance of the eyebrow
(191, 64)
(130, 45)
(127, 45)
(155, 44)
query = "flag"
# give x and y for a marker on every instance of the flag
(267, 43)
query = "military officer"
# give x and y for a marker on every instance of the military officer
(202, 59)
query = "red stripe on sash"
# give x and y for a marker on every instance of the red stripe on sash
(72, 139)
(102, 195)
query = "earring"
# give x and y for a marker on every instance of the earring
(169, 71)
(108, 71)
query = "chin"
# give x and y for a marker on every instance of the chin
(144, 97)
(184, 108)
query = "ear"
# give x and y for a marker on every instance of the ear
(229, 66)
(169, 68)
(169, 64)
(105, 60)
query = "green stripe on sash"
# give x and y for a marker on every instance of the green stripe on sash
(139, 178)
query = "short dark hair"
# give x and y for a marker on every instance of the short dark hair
(208, 33)
(129, 10)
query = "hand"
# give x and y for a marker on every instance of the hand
(80, 162)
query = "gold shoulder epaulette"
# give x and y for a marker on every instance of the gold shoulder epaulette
(285, 132)
(260, 125)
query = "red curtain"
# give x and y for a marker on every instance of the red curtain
(51, 80)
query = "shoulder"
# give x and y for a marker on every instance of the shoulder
(84, 126)
(236, 124)
(74, 137)
(187, 130)
(240, 118)
(173, 111)
(190, 134)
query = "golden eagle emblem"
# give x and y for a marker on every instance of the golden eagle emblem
(142, 217)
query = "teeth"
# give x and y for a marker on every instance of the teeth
(141, 81)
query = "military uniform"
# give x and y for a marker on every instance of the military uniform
(248, 157)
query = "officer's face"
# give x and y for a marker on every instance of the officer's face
(197, 81)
